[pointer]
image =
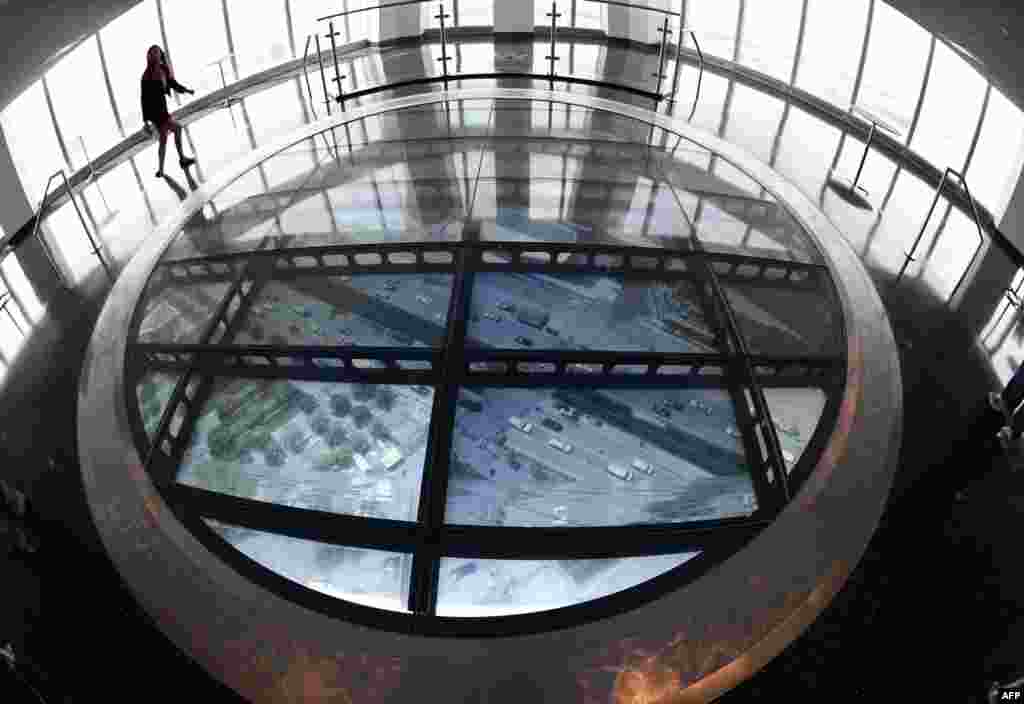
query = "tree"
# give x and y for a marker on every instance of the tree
(362, 416)
(221, 442)
(296, 441)
(360, 443)
(320, 424)
(386, 398)
(336, 435)
(363, 392)
(274, 454)
(307, 402)
(380, 431)
(341, 405)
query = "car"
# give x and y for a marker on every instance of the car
(524, 341)
(493, 316)
(620, 472)
(551, 331)
(644, 466)
(422, 390)
(731, 431)
(507, 307)
(423, 299)
(552, 425)
(521, 425)
(559, 445)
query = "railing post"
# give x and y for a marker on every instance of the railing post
(441, 16)
(42, 240)
(665, 31)
(864, 158)
(95, 247)
(910, 255)
(554, 15)
(700, 75)
(337, 69)
(323, 75)
(95, 182)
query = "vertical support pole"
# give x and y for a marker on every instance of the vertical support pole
(337, 67)
(92, 174)
(441, 17)
(660, 75)
(305, 73)
(323, 75)
(864, 158)
(554, 15)
(679, 60)
(224, 85)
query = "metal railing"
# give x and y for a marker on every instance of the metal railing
(46, 248)
(924, 227)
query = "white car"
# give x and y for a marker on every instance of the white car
(559, 445)
(620, 472)
(643, 466)
(518, 424)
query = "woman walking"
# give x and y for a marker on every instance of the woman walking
(157, 82)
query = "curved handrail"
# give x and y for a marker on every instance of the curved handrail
(909, 256)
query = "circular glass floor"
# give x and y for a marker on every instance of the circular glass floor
(485, 358)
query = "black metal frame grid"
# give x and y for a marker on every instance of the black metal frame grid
(456, 365)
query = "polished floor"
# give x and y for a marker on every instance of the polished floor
(937, 592)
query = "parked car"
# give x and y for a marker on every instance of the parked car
(559, 445)
(507, 307)
(644, 466)
(552, 425)
(620, 472)
(519, 424)
(524, 341)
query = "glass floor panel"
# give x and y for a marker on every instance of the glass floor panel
(180, 313)
(785, 321)
(356, 449)
(479, 587)
(153, 392)
(587, 311)
(367, 310)
(369, 577)
(570, 457)
(796, 414)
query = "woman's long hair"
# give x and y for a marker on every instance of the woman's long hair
(157, 68)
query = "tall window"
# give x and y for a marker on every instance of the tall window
(591, 15)
(897, 58)
(32, 141)
(833, 41)
(770, 32)
(259, 32)
(476, 13)
(125, 42)
(196, 38)
(361, 25)
(753, 120)
(714, 22)
(996, 166)
(82, 104)
(951, 110)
